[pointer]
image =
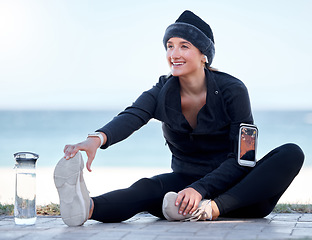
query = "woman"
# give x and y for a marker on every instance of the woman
(201, 111)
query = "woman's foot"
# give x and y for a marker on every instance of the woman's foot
(215, 210)
(203, 212)
(170, 210)
(74, 196)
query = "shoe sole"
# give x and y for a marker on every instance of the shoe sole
(67, 176)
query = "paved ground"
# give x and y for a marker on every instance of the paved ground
(144, 226)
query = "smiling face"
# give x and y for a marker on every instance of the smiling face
(184, 58)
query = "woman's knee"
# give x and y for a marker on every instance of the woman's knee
(146, 185)
(290, 156)
(294, 152)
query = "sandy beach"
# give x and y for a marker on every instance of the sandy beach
(104, 179)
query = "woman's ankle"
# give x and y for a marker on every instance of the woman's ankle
(215, 210)
(91, 208)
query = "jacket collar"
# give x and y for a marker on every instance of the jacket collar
(207, 117)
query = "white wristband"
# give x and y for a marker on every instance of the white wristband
(99, 135)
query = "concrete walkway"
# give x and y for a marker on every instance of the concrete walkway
(145, 226)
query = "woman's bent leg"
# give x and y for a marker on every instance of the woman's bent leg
(144, 195)
(257, 194)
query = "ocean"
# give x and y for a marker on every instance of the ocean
(47, 132)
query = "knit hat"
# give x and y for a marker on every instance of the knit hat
(193, 29)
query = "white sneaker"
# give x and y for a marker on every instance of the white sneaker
(72, 190)
(171, 211)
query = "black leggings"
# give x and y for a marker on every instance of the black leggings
(254, 196)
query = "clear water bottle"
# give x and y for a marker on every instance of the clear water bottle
(25, 188)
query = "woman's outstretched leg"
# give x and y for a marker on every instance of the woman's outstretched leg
(144, 195)
(257, 194)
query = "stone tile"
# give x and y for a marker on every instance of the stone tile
(271, 229)
(221, 224)
(110, 234)
(306, 218)
(304, 225)
(139, 236)
(273, 236)
(240, 235)
(163, 227)
(217, 233)
(294, 217)
(5, 235)
(303, 232)
(144, 226)
(185, 229)
(185, 238)
(290, 224)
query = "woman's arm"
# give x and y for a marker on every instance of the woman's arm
(122, 126)
(133, 117)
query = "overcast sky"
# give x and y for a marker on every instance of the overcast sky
(92, 54)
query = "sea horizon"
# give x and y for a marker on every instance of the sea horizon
(46, 132)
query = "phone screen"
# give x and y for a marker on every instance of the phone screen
(248, 138)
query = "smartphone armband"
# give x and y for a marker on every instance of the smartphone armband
(247, 145)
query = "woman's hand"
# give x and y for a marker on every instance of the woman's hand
(189, 199)
(90, 146)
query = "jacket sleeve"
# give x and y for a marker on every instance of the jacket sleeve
(133, 117)
(229, 172)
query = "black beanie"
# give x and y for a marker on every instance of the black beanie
(193, 29)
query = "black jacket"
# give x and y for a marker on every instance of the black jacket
(208, 151)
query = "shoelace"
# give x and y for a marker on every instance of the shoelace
(204, 212)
